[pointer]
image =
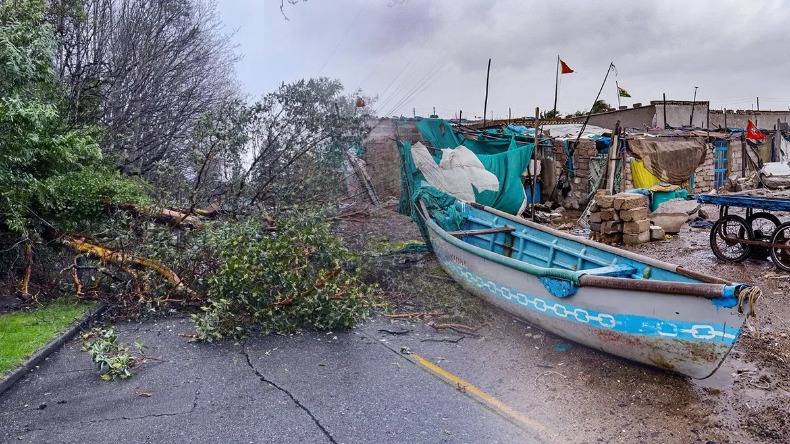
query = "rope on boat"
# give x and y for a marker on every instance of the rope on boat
(751, 295)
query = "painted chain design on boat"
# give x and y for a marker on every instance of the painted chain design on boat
(630, 324)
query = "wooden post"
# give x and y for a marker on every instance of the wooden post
(485, 103)
(743, 156)
(529, 164)
(707, 120)
(556, 84)
(612, 158)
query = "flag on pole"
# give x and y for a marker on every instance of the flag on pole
(752, 132)
(622, 92)
(565, 69)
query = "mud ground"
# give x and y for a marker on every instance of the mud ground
(578, 394)
(594, 397)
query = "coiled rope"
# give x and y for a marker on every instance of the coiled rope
(750, 295)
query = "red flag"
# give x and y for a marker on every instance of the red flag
(752, 132)
(565, 68)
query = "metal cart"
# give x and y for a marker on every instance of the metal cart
(761, 234)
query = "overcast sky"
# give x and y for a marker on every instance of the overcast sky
(419, 54)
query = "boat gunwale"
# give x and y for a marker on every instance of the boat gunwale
(710, 287)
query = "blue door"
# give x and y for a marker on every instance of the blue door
(720, 162)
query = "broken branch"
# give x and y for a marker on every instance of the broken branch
(120, 259)
(460, 328)
(418, 314)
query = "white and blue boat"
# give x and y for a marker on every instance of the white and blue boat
(609, 299)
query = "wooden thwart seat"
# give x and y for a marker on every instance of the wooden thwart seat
(611, 270)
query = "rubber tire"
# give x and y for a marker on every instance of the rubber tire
(744, 232)
(781, 258)
(757, 251)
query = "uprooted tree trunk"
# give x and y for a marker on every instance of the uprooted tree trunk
(123, 260)
(165, 215)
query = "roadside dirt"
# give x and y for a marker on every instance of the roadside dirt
(614, 400)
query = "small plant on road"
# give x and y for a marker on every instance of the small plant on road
(113, 359)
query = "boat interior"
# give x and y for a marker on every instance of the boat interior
(551, 249)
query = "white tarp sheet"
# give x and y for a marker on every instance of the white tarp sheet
(458, 174)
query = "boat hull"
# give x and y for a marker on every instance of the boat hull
(690, 335)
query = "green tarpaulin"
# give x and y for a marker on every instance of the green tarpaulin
(507, 163)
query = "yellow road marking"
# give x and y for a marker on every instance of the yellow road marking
(490, 401)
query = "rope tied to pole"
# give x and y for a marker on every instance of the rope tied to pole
(751, 295)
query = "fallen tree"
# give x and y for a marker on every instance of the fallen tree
(123, 261)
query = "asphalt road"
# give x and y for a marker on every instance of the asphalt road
(359, 386)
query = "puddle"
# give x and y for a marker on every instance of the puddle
(726, 375)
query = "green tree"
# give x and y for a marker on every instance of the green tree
(52, 176)
(600, 106)
(550, 114)
(48, 171)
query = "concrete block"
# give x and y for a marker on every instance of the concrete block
(626, 201)
(656, 233)
(636, 227)
(605, 201)
(611, 227)
(609, 214)
(595, 217)
(634, 214)
(638, 238)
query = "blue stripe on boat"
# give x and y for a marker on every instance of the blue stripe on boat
(623, 323)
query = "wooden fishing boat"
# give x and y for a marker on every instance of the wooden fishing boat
(609, 299)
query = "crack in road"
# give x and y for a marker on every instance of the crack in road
(289, 394)
(152, 415)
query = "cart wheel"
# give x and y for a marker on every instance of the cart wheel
(763, 226)
(781, 257)
(723, 238)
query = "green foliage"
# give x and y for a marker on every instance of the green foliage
(550, 114)
(48, 170)
(600, 106)
(282, 281)
(113, 359)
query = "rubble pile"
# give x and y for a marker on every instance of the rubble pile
(622, 218)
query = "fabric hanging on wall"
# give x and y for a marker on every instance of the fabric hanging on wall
(672, 161)
(782, 147)
(765, 150)
(642, 178)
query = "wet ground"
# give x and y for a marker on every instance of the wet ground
(409, 380)
(584, 395)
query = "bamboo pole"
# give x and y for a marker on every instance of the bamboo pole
(485, 103)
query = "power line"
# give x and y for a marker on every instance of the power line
(361, 8)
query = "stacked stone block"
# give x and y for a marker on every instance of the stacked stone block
(621, 218)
